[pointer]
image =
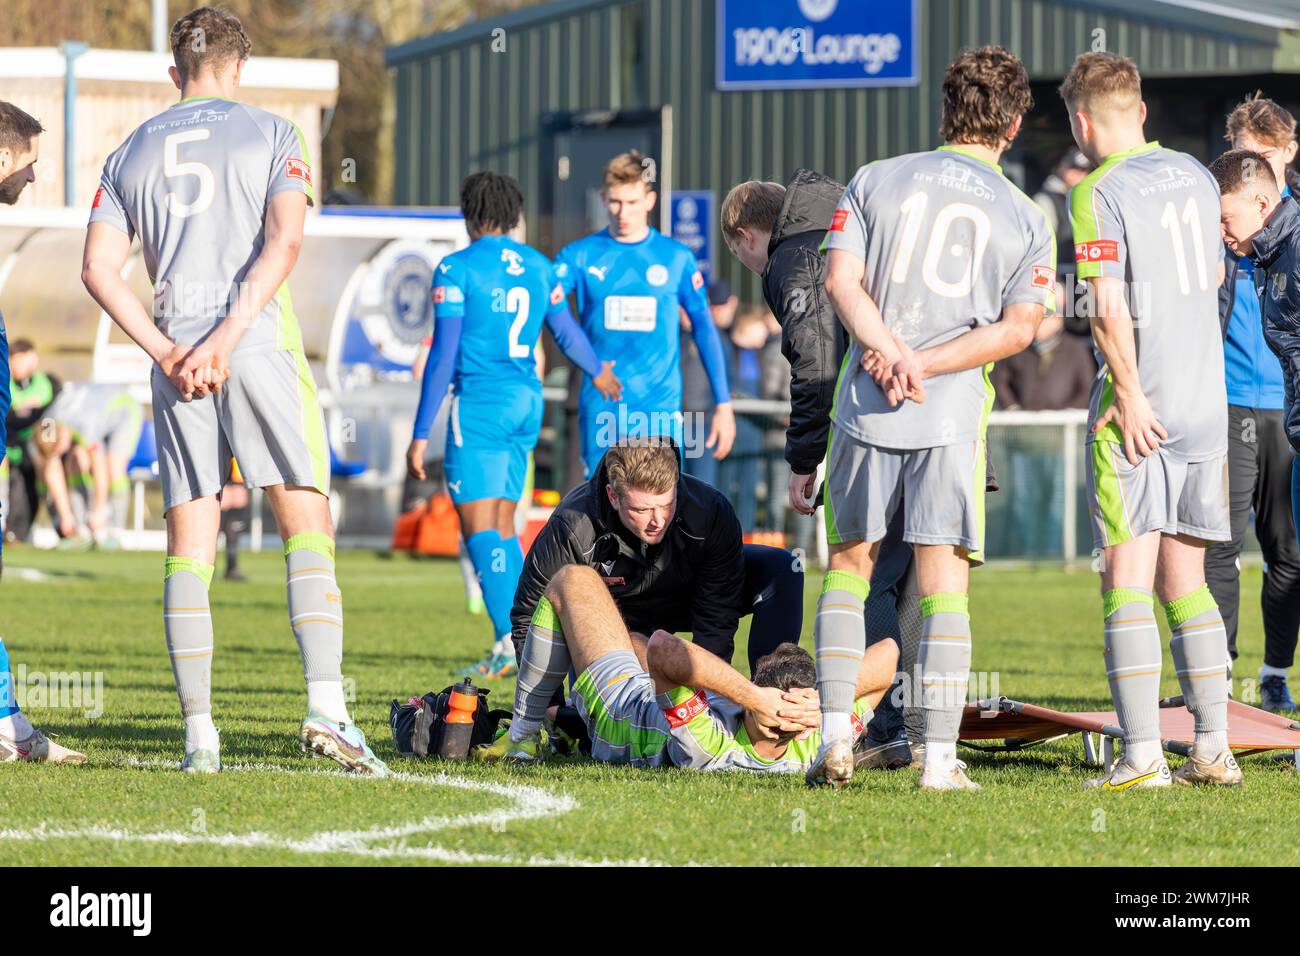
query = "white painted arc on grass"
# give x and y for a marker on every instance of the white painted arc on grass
(529, 803)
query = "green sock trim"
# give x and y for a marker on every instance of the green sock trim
(173, 565)
(311, 541)
(119, 484)
(855, 584)
(1183, 609)
(955, 603)
(544, 616)
(1116, 598)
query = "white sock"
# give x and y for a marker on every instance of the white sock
(1141, 755)
(15, 727)
(942, 756)
(200, 733)
(835, 727)
(522, 728)
(1210, 745)
(1266, 671)
(325, 697)
(505, 645)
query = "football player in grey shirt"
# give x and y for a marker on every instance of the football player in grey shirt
(217, 193)
(938, 266)
(1147, 243)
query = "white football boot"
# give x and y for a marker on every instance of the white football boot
(946, 778)
(1222, 771)
(1125, 776)
(833, 766)
(37, 748)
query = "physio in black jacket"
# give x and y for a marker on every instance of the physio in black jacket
(776, 232)
(669, 548)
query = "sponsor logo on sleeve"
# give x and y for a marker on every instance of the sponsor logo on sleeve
(99, 194)
(297, 169)
(1042, 277)
(697, 281)
(1101, 250)
(840, 220)
(679, 715)
(557, 295)
(440, 293)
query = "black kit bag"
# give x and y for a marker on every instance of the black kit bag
(419, 726)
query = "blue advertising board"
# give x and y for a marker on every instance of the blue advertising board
(691, 219)
(809, 44)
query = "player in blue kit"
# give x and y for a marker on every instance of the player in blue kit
(629, 281)
(489, 303)
(19, 740)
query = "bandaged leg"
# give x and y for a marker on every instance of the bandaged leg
(1200, 651)
(1133, 665)
(944, 664)
(840, 640)
(542, 669)
(187, 623)
(316, 616)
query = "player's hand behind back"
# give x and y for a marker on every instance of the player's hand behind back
(608, 384)
(1138, 425)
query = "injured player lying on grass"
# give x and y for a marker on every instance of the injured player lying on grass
(666, 701)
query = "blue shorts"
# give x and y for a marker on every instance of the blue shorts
(489, 439)
(601, 428)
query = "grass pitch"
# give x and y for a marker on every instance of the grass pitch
(407, 632)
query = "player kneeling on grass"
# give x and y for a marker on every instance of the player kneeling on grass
(230, 375)
(666, 700)
(99, 425)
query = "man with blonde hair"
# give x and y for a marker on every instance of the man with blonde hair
(668, 548)
(629, 282)
(1147, 243)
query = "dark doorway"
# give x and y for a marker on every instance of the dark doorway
(576, 148)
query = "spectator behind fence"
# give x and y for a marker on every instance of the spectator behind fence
(33, 391)
(1053, 199)
(1054, 373)
(697, 393)
(1259, 455)
(754, 356)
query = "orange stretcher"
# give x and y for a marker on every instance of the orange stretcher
(1020, 725)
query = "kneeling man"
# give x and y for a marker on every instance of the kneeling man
(667, 701)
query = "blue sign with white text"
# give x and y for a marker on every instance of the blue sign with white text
(794, 44)
(691, 221)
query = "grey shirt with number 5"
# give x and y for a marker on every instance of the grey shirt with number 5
(193, 183)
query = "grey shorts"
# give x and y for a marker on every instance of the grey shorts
(941, 491)
(1160, 493)
(122, 429)
(266, 416)
(617, 701)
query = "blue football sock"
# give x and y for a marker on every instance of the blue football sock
(8, 695)
(492, 561)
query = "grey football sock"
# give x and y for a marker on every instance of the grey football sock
(187, 623)
(840, 638)
(944, 664)
(1133, 662)
(542, 668)
(1200, 651)
(315, 605)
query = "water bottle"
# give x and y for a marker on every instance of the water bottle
(458, 726)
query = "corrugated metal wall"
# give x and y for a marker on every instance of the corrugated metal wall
(469, 108)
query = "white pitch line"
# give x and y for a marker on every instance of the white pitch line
(529, 803)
